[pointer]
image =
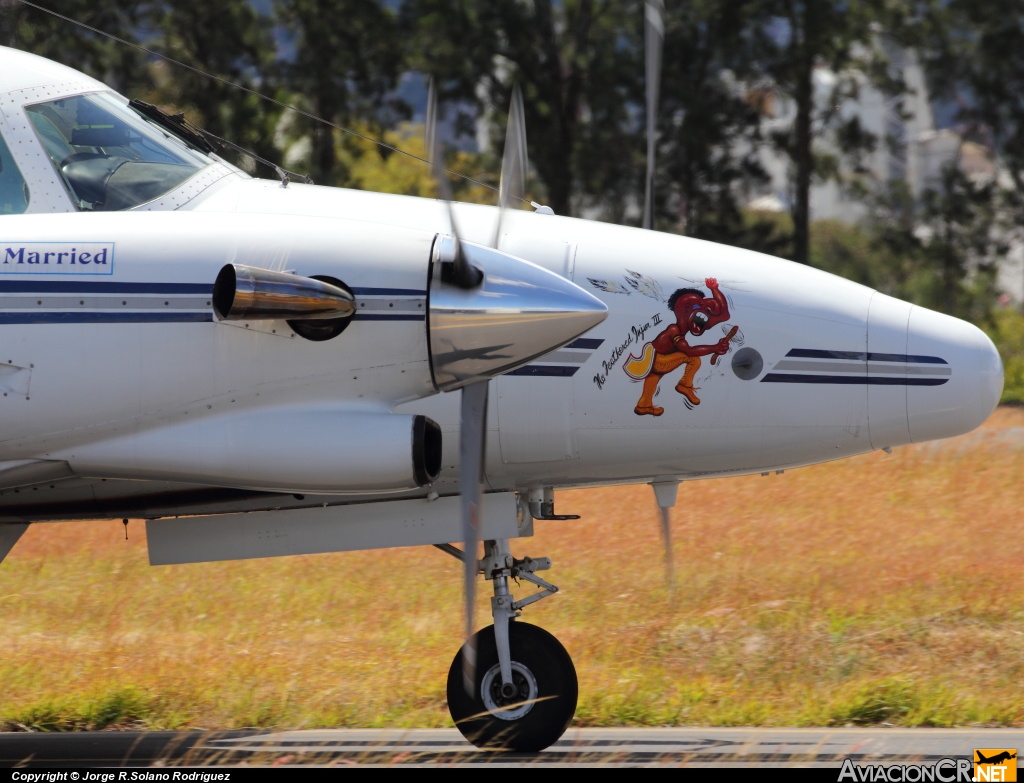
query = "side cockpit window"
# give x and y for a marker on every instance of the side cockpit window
(13, 190)
(109, 157)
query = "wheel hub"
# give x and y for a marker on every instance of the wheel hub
(509, 701)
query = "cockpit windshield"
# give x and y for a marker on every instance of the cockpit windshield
(109, 157)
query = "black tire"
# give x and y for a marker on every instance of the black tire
(532, 724)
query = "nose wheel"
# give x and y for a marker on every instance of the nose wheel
(531, 714)
(524, 688)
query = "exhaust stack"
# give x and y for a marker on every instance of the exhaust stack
(249, 293)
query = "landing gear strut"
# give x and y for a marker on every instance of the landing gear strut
(524, 690)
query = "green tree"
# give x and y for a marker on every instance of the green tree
(789, 40)
(230, 40)
(856, 253)
(394, 173)
(579, 65)
(348, 56)
(975, 58)
(10, 18)
(1007, 332)
(975, 55)
(943, 249)
(31, 30)
(709, 128)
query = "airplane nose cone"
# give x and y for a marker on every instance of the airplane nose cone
(519, 312)
(965, 379)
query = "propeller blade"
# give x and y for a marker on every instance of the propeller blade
(666, 540)
(473, 414)
(462, 274)
(472, 439)
(654, 38)
(433, 145)
(430, 145)
(513, 161)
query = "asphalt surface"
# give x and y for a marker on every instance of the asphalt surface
(695, 747)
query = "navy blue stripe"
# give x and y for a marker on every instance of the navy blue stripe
(102, 318)
(813, 353)
(388, 292)
(902, 357)
(810, 353)
(864, 380)
(99, 287)
(362, 316)
(107, 287)
(33, 317)
(585, 342)
(545, 370)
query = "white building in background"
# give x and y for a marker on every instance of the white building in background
(909, 148)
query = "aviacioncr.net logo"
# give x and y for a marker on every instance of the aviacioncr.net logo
(995, 765)
(942, 771)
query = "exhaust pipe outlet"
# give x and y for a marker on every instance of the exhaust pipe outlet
(249, 293)
(426, 450)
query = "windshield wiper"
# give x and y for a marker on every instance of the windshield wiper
(176, 124)
(201, 139)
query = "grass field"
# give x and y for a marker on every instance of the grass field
(881, 589)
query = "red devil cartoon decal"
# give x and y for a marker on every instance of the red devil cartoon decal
(695, 314)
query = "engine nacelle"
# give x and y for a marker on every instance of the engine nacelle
(307, 450)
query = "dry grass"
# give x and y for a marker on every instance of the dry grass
(877, 589)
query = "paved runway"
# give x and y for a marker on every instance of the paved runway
(429, 747)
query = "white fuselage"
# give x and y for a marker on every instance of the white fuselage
(119, 370)
(581, 427)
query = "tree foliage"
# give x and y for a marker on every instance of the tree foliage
(939, 251)
(709, 128)
(789, 40)
(579, 64)
(230, 41)
(580, 69)
(347, 57)
(28, 28)
(975, 53)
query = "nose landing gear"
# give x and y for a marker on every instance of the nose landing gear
(524, 690)
(538, 707)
